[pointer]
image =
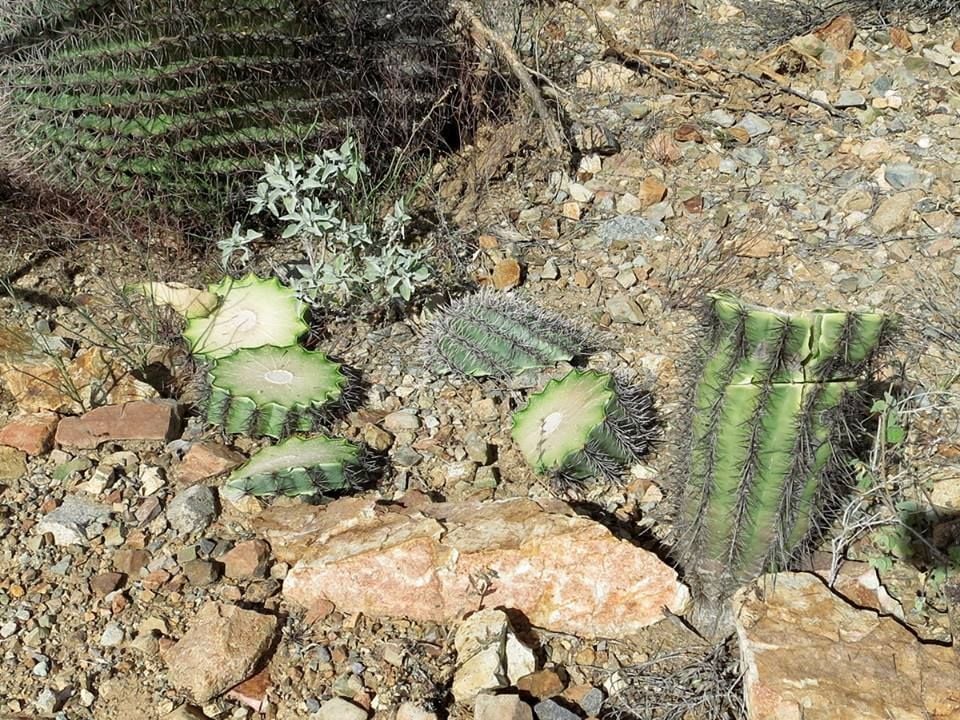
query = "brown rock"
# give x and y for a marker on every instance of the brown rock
(205, 460)
(137, 420)
(246, 560)
(688, 132)
(894, 211)
(809, 654)
(105, 583)
(13, 463)
(130, 561)
(761, 247)
(92, 378)
(506, 274)
(838, 33)
(662, 148)
(201, 572)
(488, 242)
(901, 38)
(222, 648)
(956, 45)
(542, 684)
(252, 692)
(424, 562)
(31, 433)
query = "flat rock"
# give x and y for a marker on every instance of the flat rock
(221, 649)
(75, 521)
(205, 460)
(624, 309)
(811, 655)
(562, 571)
(246, 560)
(13, 463)
(501, 707)
(192, 509)
(33, 434)
(137, 420)
(340, 709)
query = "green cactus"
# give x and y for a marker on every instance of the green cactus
(252, 312)
(585, 425)
(497, 334)
(298, 467)
(163, 102)
(273, 391)
(769, 435)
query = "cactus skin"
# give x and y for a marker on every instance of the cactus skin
(243, 399)
(497, 334)
(769, 437)
(161, 103)
(615, 422)
(297, 467)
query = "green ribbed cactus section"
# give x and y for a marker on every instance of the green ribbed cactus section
(769, 434)
(163, 102)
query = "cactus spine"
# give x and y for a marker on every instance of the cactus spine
(769, 435)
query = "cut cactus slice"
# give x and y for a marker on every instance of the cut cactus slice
(584, 425)
(295, 467)
(273, 391)
(497, 334)
(253, 313)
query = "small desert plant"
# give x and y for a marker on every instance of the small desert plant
(585, 425)
(775, 422)
(345, 259)
(497, 334)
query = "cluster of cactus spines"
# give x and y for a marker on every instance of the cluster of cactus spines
(273, 391)
(769, 435)
(497, 334)
(165, 101)
(295, 467)
(585, 425)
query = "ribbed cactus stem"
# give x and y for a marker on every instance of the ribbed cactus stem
(765, 446)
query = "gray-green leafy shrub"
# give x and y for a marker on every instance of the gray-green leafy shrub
(345, 259)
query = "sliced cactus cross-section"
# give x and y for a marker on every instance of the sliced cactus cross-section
(253, 312)
(584, 425)
(497, 334)
(273, 391)
(314, 466)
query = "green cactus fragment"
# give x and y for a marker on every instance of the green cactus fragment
(769, 435)
(584, 425)
(497, 334)
(296, 467)
(273, 391)
(253, 312)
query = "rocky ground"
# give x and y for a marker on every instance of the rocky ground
(822, 172)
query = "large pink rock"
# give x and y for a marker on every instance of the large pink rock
(431, 562)
(137, 420)
(809, 654)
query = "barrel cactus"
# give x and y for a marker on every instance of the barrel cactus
(315, 466)
(163, 102)
(584, 425)
(773, 417)
(273, 391)
(491, 333)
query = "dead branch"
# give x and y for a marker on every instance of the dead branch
(519, 70)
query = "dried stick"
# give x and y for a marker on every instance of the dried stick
(520, 72)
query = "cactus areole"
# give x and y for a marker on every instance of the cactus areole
(769, 434)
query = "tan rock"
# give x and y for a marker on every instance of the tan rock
(808, 654)
(651, 191)
(762, 246)
(501, 707)
(246, 560)
(606, 76)
(222, 648)
(489, 655)
(31, 433)
(901, 38)
(91, 379)
(562, 571)
(205, 460)
(894, 211)
(506, 274)
(137, 420)
(13, 463)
